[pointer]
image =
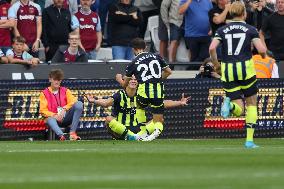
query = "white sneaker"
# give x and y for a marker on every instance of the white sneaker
(153, 136)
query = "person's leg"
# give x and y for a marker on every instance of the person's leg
(51, 52)
(73, 116)
(52, 123)
(119, 129)
(193, 45)
(175, 35)
(233, 103)
(249, 88)
(118, 52)
(251, 116)
(164, 39)
(204, 46)
(129, 54)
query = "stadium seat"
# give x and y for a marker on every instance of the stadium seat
(104, 54)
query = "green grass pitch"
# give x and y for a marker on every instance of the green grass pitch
(161, 164)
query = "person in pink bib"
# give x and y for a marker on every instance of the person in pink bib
(59, 106)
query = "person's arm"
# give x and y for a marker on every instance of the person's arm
(36, 44)
(177, 103)
(212, 51)
(165, 6)
(261, 49)
(12, 15)
(183, 8)
(7, 23)
(100, 102)
(166, 72)
(99, 35)
(71, 100)
(12, 60)
(43, 109)
(262, 38)
(221, 18)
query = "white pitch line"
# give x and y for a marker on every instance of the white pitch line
(129, 177)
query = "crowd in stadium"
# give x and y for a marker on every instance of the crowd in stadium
(114, 23)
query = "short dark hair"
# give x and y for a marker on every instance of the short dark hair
(138, 43)
(56, 74)
(19, 39)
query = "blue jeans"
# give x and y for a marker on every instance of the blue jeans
(92, 55)
(72, 117)
(122, 53)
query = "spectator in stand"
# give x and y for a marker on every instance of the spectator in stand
(173, 22)
(148, 8)
(265, 67)
(72, 5)
(274, 24)
(219, 14)
(28, 23)
(18, 55)
(6, 26)
(71, 53)
(260, 12)
(59, 107)
(90, 29)
(57, 23)
(125, 20)
(3, 59)
(103, 12)
(197, 27)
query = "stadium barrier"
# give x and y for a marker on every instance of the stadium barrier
(20, 119)
(103, 70)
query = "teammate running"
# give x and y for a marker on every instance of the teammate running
(237, 67)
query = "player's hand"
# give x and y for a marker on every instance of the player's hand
(90, 98)
(184, 100)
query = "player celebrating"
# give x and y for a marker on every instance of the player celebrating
(149, 70)
(237, 67)
(128, 122)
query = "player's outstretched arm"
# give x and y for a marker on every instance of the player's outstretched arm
(100, 102)
(177, 103)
